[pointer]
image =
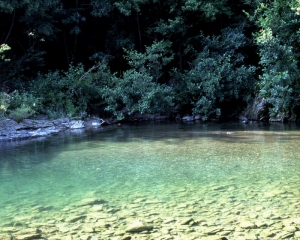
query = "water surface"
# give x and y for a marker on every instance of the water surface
(217, 171)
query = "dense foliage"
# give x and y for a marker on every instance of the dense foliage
(105, 57)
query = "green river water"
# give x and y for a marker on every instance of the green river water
(229, 180)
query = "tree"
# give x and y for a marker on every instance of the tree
(219, 74)
(139, 90)
(278, 41)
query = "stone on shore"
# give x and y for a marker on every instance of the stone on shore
(32, 128)
(76, 124)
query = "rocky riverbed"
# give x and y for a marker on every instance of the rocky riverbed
(264, 210)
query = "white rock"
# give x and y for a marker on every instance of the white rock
(76, 124)
(297, 234)
(138, 227)
(247, 225)
(290, 229)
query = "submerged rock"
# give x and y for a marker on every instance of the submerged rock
(90, 201)
(75, 218)
(9, 230)
(99, 226)
(5, 237)
(28, 236)
(290, 229)
(214, 238)
(138, 226)
(186, 220)
(213, 230)
(247, 225)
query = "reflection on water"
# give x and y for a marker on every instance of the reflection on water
(221, 175)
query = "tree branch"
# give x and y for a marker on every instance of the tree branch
(11, 26)
(91, 69)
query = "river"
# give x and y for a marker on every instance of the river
(173, 180)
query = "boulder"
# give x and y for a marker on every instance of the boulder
(188, 118)
(61, 123)
(35, 124)
(93, 123)
(11, 130)
(8, 125)
(257, 110)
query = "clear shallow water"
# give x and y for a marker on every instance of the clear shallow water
(230, 166)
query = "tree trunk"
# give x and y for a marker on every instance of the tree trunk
(75, 48)
(66, 48)
(180, 59)
(139, 31)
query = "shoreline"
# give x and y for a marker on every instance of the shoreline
(11, 130)
(27, 129)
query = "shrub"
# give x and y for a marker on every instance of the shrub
(22, 112)
(23, 105)
(18, 105)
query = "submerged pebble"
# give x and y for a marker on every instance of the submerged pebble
(192, 189)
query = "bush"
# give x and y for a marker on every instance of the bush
(4, 104)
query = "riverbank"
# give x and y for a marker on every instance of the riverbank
(11, 130)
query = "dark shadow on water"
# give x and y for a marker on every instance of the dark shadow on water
(28, 152)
